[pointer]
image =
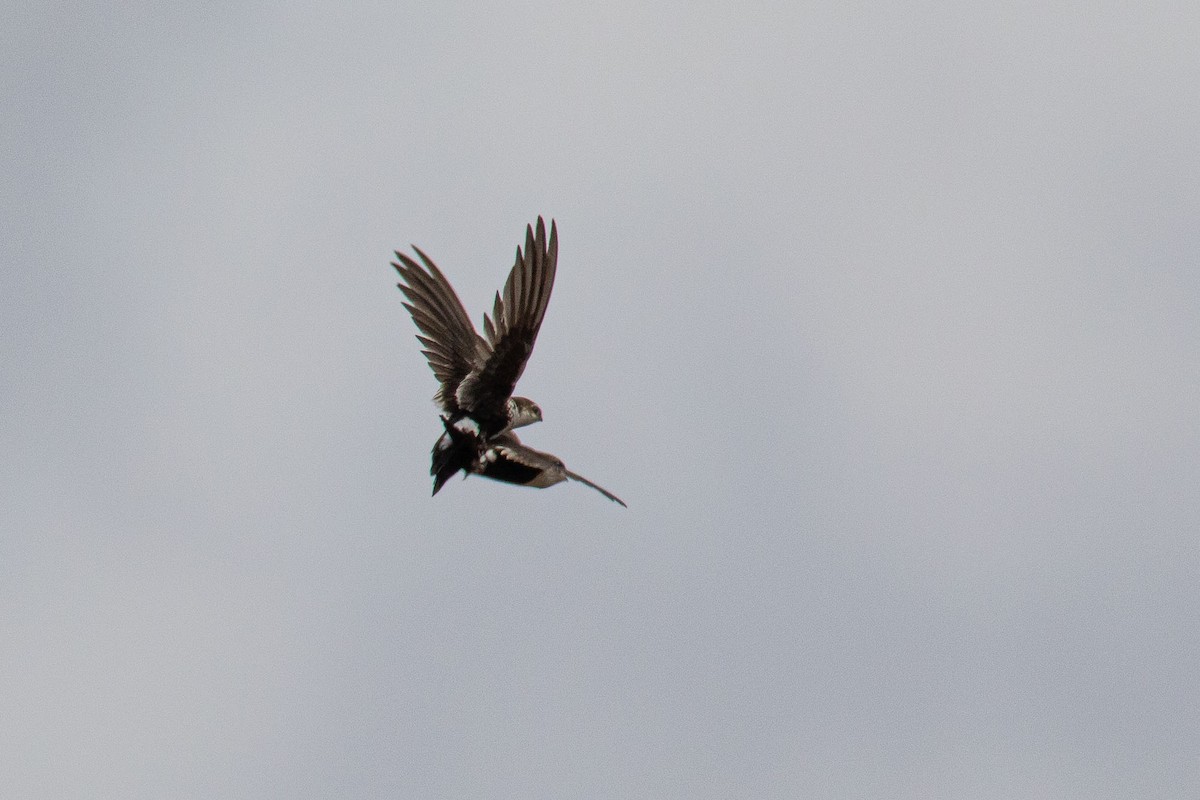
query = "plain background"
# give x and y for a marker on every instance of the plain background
(884, 318)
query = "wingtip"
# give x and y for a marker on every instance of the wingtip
(575, 476)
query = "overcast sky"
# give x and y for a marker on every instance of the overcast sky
(884, 318)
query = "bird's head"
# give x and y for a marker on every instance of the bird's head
(525, 412)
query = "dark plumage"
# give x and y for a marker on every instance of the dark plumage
(505, 458)
(477, 374)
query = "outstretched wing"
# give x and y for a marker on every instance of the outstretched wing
(513, 327)
(506, 459)
(576, 477)
(452, 347)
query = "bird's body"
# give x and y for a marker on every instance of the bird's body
(505, 458)
(447, 459)
(477, 374)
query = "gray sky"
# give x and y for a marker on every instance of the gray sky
(883, 318)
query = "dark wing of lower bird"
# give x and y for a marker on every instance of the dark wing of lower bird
(511, 461)
(513, 327)
(452, 347)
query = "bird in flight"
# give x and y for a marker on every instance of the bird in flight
(477, 374)
(505, 458)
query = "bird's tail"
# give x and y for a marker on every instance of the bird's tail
(453, 451)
